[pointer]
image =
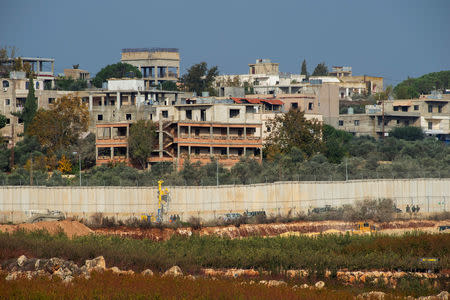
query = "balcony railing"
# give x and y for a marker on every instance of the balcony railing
(219, 137)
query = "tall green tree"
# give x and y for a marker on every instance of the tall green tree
(320, 70)
(118, 70)
(413, 87)
(169, 86)
(304, 69)
(294, 130)
(3, 121)
(336, 143)
(30, 107)
(199, 78)
(70, 84)
(142, 141)
(409, 133)
(61, 126)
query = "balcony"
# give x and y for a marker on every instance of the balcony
(218, 139)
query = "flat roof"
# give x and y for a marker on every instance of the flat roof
(34, 59)
(155, 49)
(104, 91)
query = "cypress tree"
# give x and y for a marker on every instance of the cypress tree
(30, 108)
(304, 70)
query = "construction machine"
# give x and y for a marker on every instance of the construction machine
(364, 228)
(163, 203)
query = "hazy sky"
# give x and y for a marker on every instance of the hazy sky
(392, 38)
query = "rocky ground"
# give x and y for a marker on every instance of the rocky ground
(30, 268)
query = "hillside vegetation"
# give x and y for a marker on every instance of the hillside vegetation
(413, 87)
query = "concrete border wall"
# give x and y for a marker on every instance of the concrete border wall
(432, 195)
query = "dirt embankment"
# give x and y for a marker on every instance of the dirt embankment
(74, 228)
(246, 230)
(70, 228)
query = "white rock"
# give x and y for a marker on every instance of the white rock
(12, 276)
(374, 295)
(147, 272)
(444, 295)
(21, 260)
(276, 283)
(97, 263)
(319, 285)
(174, 271)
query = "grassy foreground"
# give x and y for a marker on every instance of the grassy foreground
(110, 286)
(331, 252)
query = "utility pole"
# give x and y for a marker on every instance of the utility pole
(382, 119)
(217, 173)
(346, 169)
(12, 148)
(31, 170)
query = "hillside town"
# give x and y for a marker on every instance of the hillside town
(227, 121)
(225, 150)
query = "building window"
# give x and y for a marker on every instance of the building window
(406, 123)
(234, 113)
(439, 109)
(100, 117)
(341, 123)
(128, 116)
(5, 83)
(151, 117)
(356, 122)
(27, 85)
(223, 152)
(37, 85)
(430, 108)
(165, 114)
(20, 121)
(404, 108)
(398, 121)
(430, 125)
(310, 106)
(416, 107)
(189, 114)
(203, 115)
(294, 105)
(250, 110)
(197, 151)
(51, 100)
(395, 108)
(197, 132)
(8, 121)
(7, 101)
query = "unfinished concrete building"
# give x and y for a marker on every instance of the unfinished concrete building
(157, 65)
(199, 130)
(430, 113)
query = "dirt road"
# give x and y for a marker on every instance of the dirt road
(267, 230)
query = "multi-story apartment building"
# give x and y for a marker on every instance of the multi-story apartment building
(264, 77)
(430, 113)
(13, 96)
(156, 64)
(198, 129)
